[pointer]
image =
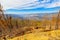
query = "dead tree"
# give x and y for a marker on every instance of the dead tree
(2, 13)
(57, 21)
(17, 23)
(10, 23)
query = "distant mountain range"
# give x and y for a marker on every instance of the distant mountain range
(36, 16)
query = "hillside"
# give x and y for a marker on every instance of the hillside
(14, 26)
(29, 26)
(37, 35)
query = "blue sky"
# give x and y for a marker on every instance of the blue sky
(30, 6)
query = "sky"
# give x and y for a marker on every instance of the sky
(30, 6)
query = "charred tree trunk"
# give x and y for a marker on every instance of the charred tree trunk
(17, 24)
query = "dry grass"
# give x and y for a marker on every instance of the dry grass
(14, 27)
(37, 35)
